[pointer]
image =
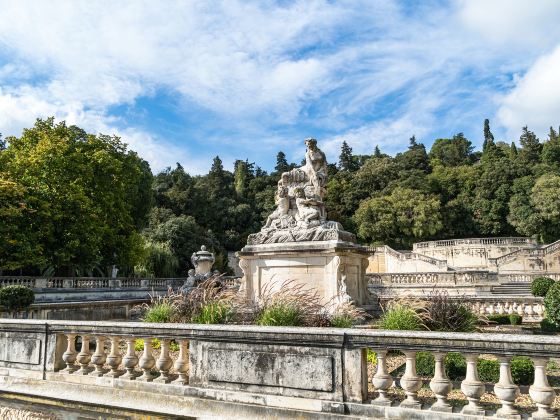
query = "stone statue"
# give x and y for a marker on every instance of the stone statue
(300, 214)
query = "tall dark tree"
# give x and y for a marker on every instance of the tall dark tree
(377, 152)
(347, 161)
(530, 153)
(488, 136)
(281, 163)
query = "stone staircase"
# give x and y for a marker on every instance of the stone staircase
(514, 289)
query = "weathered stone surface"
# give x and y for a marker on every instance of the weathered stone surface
(334, 269)
(17, 349)
(271, 369)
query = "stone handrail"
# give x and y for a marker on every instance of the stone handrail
(433, 278)
(88, 282)
(475, 241)
(402, 256)
(312, 369)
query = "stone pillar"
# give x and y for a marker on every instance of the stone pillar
(335, 269)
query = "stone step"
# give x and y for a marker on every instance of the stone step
(512, 289)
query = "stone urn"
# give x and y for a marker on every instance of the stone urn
(203, 261)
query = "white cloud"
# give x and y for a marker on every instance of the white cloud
(517, 23)
(535, 99)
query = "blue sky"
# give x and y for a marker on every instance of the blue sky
(185, 81)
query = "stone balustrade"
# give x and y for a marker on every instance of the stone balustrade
(531, 308)
(88, 282)
(260, 372)
(475, 241)
(431, 278)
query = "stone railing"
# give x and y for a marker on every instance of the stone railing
(431, 278)
(531, 308)
(89, 282)
(475, 241)
(407, 255)
(258, 372)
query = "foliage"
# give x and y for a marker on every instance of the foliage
(540, 286)
(371, 357)
(87, 196)
(218, 312)
(162, 311)
(547, 326)
(158, 260)
(455, 365)
(515, 319)
(281, 314)
(16, 297)
(441, 313)
(522, 370)
(552, 303)
(342, 321)
(401, 317)
(500, 319)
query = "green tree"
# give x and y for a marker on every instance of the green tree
(399, 219)
(451, 152)
(89, 195)
(488, 136)
(281, 163)
(530, 153)
(551, 149)
(347, 161)
(545, 197)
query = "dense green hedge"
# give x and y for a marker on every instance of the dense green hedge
(504, 319)
(16, 297)
(540, 286)
(552, 303)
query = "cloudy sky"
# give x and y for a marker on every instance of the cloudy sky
(185, 81)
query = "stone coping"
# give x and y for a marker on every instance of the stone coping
(298, 247)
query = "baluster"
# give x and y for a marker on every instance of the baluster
(99, 357)
(521, 309)
(506, 391)
(541, 392)
(147, 361)
(114, 359)
(440, 385)
(410, 382)
(84, 357)
(130, 360)
(472, 387)
(164, 362)
(70, 355)
(382, 381)
(182, 363)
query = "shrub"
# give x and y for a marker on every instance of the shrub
(400, 317)
(346, 315)
(16, 297)
(455, 366)
(552, 303)
(163, 311)
(156, 344)
(541, 285)
(522, 370)
(499, 319)
(425, 363)
(441, 313)
(515, 319)
(488, 370)
(371, 356)
(213, 313)
(281, 315)
(341, 321)
(547, 326)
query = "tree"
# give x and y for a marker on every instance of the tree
(551, 149)
(347, 161)
(377, 152)
(545, 197)
(242, 174)
(281, 163)
(530, 153)
(88, 193)
(451, 152)
(414, 158)
(399, 219)
(488, 136)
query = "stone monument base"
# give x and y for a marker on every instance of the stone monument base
(335, 269)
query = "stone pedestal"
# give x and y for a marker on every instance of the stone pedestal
(335, 269)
